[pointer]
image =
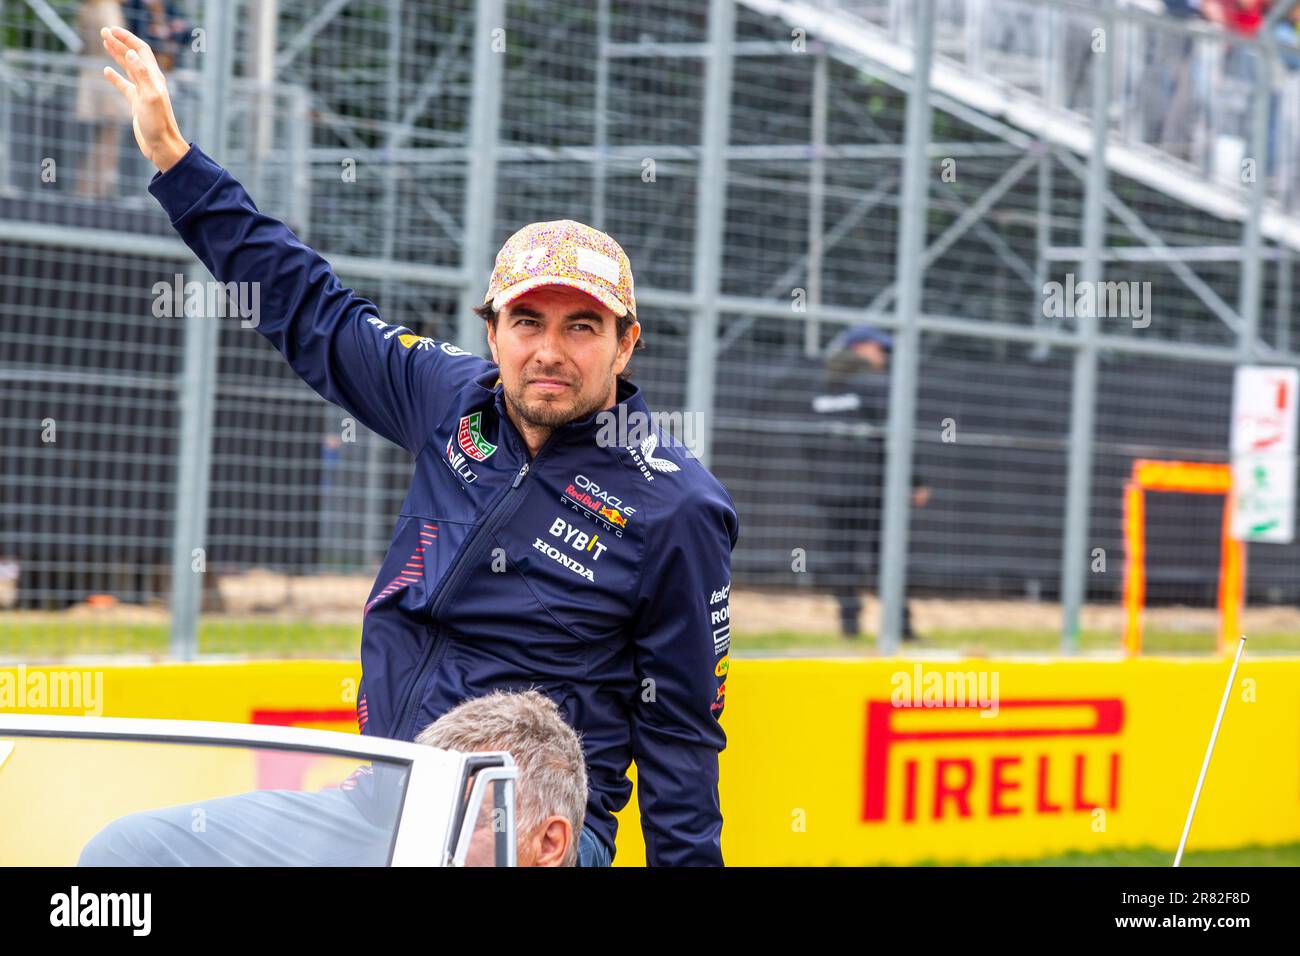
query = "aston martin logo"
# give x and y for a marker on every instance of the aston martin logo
(662, 465)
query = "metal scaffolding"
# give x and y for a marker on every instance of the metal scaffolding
(970, 96)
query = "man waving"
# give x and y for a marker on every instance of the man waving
(536, 547)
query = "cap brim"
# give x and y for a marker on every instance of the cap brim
(510, 293)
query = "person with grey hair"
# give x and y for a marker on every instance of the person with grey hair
(350, 825)
(551, 794)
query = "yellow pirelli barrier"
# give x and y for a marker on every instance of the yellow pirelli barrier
(901, 762)
(879, 761)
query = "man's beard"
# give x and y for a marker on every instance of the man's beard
(543, 414)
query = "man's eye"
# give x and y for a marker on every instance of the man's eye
(585, 326)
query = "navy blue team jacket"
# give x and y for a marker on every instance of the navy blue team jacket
(597, 572)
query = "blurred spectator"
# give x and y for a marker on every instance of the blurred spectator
(98, 104)
(1183, 8)
(1239, 16)
(160, 24)
(854, 392)
(1287, 34)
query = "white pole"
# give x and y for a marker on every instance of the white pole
(1205, 764)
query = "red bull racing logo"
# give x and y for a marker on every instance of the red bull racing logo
(613, 517)
(608, 510)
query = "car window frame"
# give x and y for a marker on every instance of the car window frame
(419, 839)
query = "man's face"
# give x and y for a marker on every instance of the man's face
(559, 355)
(546, 845)
(482, 843)
(873, 353)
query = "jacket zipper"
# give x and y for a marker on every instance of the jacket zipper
(452, 578)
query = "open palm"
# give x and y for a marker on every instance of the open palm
(145, 88)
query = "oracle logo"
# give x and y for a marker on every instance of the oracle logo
(589, 486)
(940, 782)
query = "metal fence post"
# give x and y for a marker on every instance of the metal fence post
(710, 221)
(910, 274)
(6, 118)
(1083, 395)
(600, 115)
(194, 456)
(197, 386)
(376, 449)
(1042, 237)
(481, 170)
(1252, 265)
(817, 199)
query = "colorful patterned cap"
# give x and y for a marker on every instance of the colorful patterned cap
(563, 252)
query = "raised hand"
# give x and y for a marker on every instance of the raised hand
(145, 89)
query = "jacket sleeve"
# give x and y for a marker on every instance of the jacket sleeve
(391, 380)
(682, 638)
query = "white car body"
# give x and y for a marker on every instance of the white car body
(433, 824)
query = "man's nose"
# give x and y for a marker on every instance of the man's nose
(550, 348)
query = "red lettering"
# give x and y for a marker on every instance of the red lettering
(954, 786)
(960, 794)
(909, 802)
(1080, 802)
(1043, 806)
(999, 785)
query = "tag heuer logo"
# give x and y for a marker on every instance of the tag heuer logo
(471, 440)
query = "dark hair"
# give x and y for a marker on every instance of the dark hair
(489, 315)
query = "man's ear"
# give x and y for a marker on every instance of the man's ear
(550, 841)
(625, 346)
(492, 338)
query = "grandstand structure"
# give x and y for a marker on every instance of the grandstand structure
(776, 169)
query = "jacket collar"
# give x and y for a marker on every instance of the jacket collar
(627, 395)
